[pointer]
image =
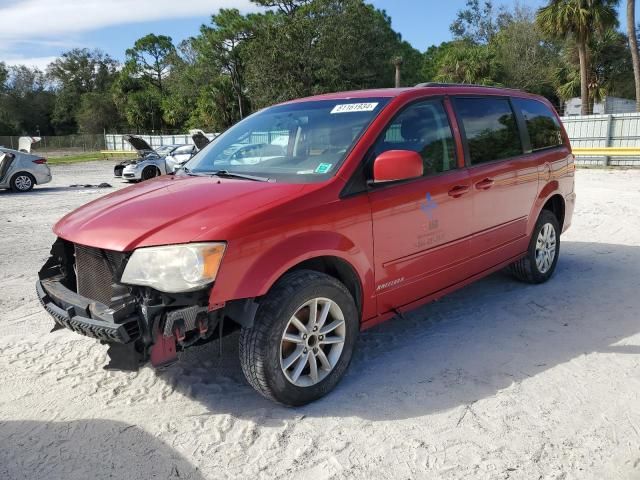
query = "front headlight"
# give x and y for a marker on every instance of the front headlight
(174, 268)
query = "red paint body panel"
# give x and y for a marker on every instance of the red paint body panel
(402, 253)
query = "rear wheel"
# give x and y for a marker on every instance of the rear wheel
(149, 172)
(22, 182)
(303, 338)
(544, 248)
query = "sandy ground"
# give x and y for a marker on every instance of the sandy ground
(499, 380)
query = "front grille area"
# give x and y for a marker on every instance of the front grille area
(95, 272)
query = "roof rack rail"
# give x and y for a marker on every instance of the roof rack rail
(445, 84)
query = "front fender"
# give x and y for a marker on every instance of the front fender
(254, 278)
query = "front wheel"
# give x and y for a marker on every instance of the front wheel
(303, 338)
(149, 172)
(544, 248)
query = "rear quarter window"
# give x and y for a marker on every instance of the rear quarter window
(542, 124)
(490, 128)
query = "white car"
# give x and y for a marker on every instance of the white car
(20, 171)
(152, 162)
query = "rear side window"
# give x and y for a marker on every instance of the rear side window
(423, 128)
(543, 126)
(490, 128)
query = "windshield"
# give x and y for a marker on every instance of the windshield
(298, 143)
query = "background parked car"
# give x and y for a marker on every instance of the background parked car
(152, 162)
(20, 171)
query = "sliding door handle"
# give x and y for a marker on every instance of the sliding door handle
(485, 184)
(458, 191)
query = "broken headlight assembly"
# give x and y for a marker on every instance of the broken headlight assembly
(174, 268)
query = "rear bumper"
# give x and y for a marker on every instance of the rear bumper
(569, 207)
(42, 175)
(88, 318)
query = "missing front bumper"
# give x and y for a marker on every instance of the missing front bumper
(91, 319)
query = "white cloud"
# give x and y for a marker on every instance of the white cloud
(32, 19)
(37, 62)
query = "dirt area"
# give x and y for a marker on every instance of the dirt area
(499, 380)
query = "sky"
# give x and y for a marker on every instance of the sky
(35, 32)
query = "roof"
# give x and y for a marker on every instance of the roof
(437, 89)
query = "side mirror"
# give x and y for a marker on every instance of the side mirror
(395, 165)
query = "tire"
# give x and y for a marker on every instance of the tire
(22, 182)
(528, 269)
(149, 172)
(263, 348)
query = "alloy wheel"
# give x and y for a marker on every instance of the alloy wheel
(545, 248)
(312, 342)
(23, 183)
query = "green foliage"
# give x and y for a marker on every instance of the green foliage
(77, 73)
(466, 62)
(239, 63)
(26, 104)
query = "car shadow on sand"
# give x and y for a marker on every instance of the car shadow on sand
(465, 347)
(48, 190)
(84, 449)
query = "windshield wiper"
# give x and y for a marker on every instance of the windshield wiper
(228, 174)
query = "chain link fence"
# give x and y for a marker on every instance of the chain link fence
(62, 143)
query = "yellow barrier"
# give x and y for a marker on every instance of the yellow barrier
(607, 152)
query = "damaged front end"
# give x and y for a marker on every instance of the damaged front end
(79, 286)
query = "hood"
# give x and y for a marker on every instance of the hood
(199, 139)
(170, 210)
(138, 143)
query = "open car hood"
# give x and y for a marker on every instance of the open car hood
(199, 138)
(138, 144)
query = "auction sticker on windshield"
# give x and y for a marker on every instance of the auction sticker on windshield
(354, 107)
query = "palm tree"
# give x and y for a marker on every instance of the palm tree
(633, 46)
(578, 19)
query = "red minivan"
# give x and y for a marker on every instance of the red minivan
(312, 220)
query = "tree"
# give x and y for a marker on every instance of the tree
(76, 73)
(140, 89)
(527, 60)
(321, 46)
(223, 44)
(475, 23)
(27, 102)
(633, 46)
(150, 59)
(97, 113)
(466, 62)
(579, 20)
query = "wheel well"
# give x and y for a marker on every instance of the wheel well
(338, 269)
(556, 206)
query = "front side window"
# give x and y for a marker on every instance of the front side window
(424, 128)
(299, 142)
(542, 125)
(490, 128)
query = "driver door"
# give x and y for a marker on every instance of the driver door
(421, 226)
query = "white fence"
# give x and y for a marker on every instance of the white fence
(117, 142)
(615, 130)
